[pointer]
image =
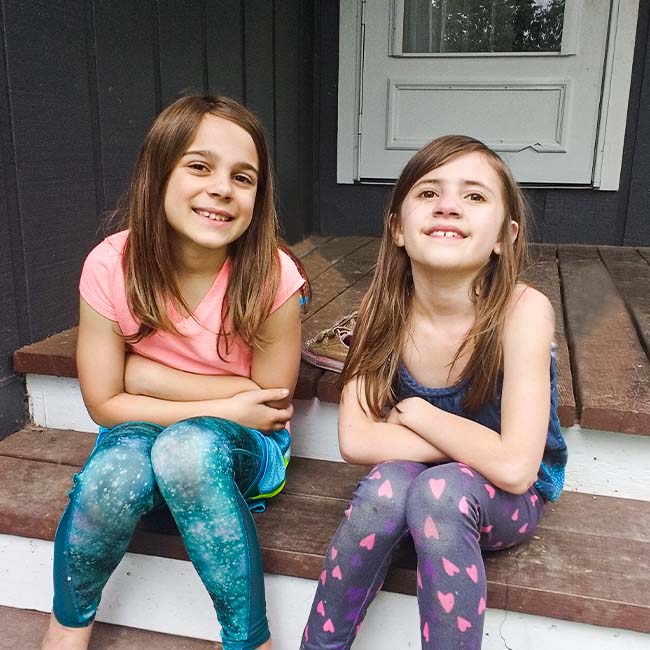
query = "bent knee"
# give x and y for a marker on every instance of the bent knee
(187, 449)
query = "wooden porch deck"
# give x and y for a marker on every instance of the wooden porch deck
(601, 297)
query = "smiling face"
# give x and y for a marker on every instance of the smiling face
(210, 194)
(452, 217)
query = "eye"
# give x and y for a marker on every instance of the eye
(244, 179)
(198, 166)
(476, 197)
(427, 194)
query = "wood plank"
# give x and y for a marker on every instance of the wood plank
(58, 446)
(307, 245)
(631, 275)
(572, 568)
(345, 303)
(55, 355)
(23, 628)
(331, 252)
(543, 274)
(645, 254)
(612, 372)
(341, 275)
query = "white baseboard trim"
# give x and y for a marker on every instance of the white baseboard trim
(600, 462)
(167, 596)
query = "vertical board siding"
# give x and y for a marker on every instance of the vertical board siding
(126, 87)
(182, 46)
(52, 134)
(225, 48)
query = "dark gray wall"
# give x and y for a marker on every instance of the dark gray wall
(80, 83)
(571, 215)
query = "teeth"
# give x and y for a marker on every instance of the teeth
(212, 215)
(445, 233)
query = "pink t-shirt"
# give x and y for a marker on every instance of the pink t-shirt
(102, 286)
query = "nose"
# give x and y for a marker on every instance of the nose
(220, 184)
(447, 204)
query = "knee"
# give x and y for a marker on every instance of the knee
(384, 489)
(443, 493)
(185, 452)
(118, 481)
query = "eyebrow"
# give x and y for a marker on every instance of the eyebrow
(205, 153)
(464, 182)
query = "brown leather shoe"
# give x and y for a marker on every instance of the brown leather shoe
(329, 348)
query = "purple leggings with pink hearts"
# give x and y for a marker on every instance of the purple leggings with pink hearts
(451, 512)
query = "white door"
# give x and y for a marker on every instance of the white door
(523, 76)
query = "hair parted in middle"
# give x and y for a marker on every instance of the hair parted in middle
(379, 336)
(148, 256)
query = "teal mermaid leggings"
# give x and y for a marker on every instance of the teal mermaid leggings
(199, 468)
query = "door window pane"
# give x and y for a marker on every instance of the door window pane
(448, 26)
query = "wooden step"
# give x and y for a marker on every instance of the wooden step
(589, 560)
(23, 629)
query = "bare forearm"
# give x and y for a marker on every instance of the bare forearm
(125, 407)
(149, 378)
(381, 441)
(473, 444)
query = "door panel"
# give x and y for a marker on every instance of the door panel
(538, 109)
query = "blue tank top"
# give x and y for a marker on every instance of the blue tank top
(550, 478)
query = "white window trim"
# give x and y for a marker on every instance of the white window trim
(613, 108)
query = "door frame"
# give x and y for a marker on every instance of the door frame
(613, 107)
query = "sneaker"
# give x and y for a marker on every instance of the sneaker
(329, 348)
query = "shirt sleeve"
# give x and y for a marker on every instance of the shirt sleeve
(96, 282)
(290, 281)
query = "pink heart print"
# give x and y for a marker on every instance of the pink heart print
(490, 490)
(523, 528)
(320, 608)
(463, 506)
(375, 475)
(328, 626)
(323, 577)
(336, 573)
(533, 499)
(333, 553)
(472, 572)
(437, 486)
(463, 624)
(385, 489)
(466, 470)
(348, 512)
(368, 542)
(446, 600)
(425, 632)
(449, 567)
(481, 606)
(430, 529)
(515, 515)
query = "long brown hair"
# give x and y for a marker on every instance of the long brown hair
(148, 268)
(380, 333)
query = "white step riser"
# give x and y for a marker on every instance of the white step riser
(603, 463)
(139, 595)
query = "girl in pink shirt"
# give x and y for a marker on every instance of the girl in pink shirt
(188, 354)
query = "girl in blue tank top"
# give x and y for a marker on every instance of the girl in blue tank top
(450, 392)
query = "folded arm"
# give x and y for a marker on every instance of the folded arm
(365, 440)
(100, 363)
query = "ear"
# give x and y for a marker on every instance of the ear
(512, 236)
(398, 235)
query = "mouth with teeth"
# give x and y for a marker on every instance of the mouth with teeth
(213, 215)
(446, 233)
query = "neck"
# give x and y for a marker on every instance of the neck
(196, 261)
(443, 296)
